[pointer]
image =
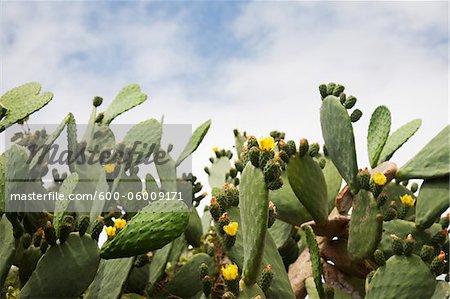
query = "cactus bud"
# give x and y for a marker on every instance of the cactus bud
(283, 156)
(322, 163)
(397, 245)
(207, 283)
(50, 234)
(204, 270)
(253, 155)
(330, 88)
(272, 214)
(230, 195)
(437, 264)
(99, 117)
(238, 165)
(389, 214)
(275, 184)
(206, 169)
(64, 232)
(409, 245)
(97, 101)
(439, 237)
(264, 157)
(26, 240)
(379, 257)
(141, 260)
(338, 90)
(363, 178)
(426, 253)
(381, 199)
(266, 278)
(323, 91)
(215, 209)
(83, 225)
(350, 102)
(403, 211)
(252, 141)
(272, 170)
(356, 115)
(96, 229)
(343, 98)
(223, 220)
(233, 173)
(314, 149)
(304, 147)
(414, 187)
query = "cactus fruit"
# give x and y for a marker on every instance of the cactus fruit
(356, 115)
(266, 278)
(303, 147)
(314, 149)
(379, 257)
(83, 225)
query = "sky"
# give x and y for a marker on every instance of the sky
(255, 66)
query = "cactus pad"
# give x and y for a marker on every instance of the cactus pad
(379, 128)
(129, 97)
(308, 183)
(152, 228)
(22, 101)
(194, 142)
(69, 267)
(398, 138)
(7, 248)
(365, 226)
(433, 200)
(254, 203)
(110, 278)
(402, 277)
(431, 161)
(337, 132)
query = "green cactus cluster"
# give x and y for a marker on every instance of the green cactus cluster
(284, 218)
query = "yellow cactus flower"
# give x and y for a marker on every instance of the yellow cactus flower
(120, 223)
(110, 231)
(215, 149)
(266, 144)
(379, 179)
(231, 229)
(109, 168)
(407, 200)
(230, 272)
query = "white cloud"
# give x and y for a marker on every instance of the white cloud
(385, 53)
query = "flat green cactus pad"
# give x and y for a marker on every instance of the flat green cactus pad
(289, 208)
(129, 97)
(403, 277)
(314, 252)
(398, 138)
(431, 161)
(379, 128)
(281, 232)
(157, 266)
(152, 228)
(194, 229)
(186, 282)
(337, 131)
(433, 200)
(22, 101)
(218, 171)
(254, 203)
(110, 278)
(194, 142)
(69, 267)
(365, 226)
(308, 183)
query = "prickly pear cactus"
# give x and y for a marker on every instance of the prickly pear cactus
(279, 223)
